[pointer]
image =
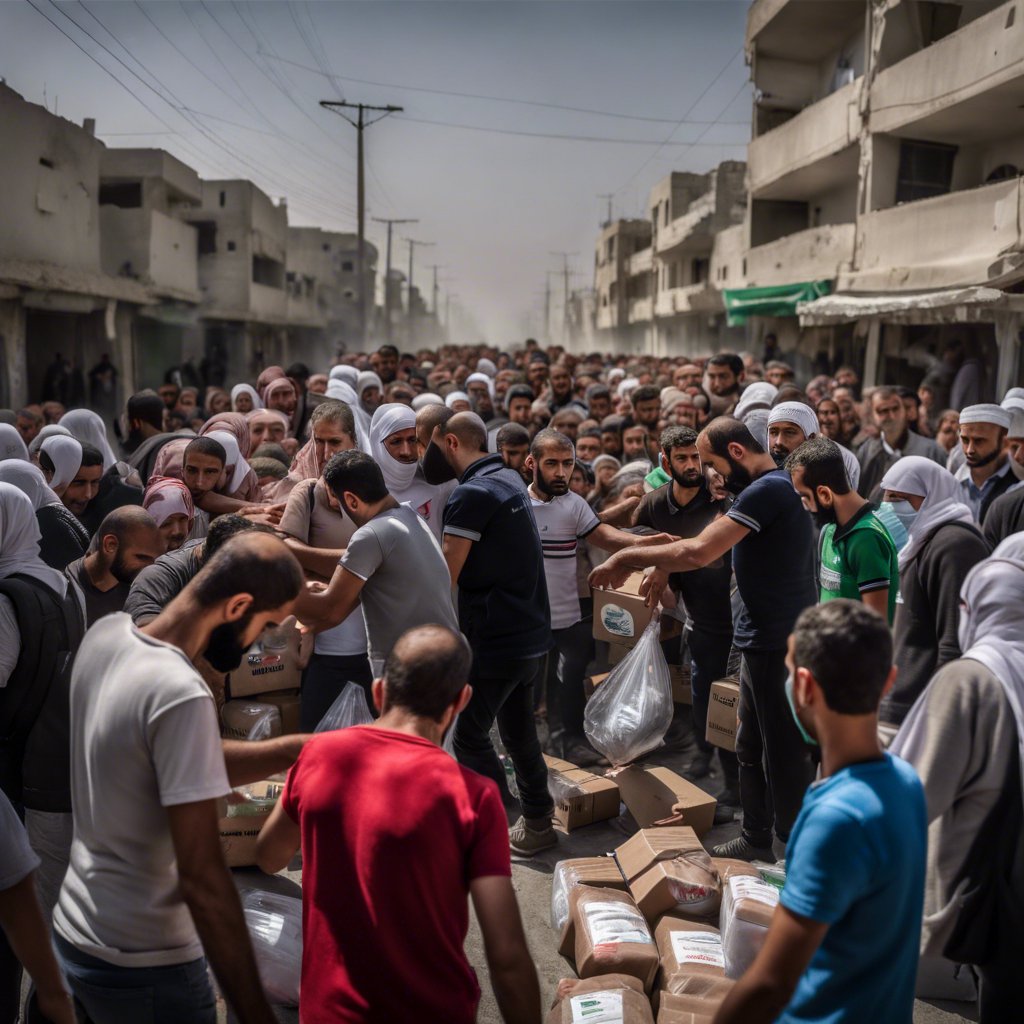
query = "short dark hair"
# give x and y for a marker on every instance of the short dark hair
(905, 392)
(848, 649)
(121, 522)
(334, 411)
(298, 371)
(518, 391)
(37, 417)
(390, 350)
(205, 446)
(822, 463)
(266, 569)
(426, 670)
(269, 450)
(598, 391)
(725, 430)
(589, 432)
(91, 455)
(791, 393)
(677, 437)
(147, 406)
(729, 359)
(223, 528)
(645, 393)
(549, 438)
(356, 472)
(511, 434)
(267, 465)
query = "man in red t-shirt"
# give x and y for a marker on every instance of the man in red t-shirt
(394, 834)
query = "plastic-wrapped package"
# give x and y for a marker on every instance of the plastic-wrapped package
(609, 999)
(275, 928)
(747, 908)
(600, 872)
(773, 874)
(632, 709)
(349, 708)
(612, 936)
(250, 720)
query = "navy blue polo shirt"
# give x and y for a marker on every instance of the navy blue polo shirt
(503, 598)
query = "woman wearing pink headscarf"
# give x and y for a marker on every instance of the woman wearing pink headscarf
(169, 502)
(266, 426)
(236, 425)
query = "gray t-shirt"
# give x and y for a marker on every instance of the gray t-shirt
(144, 737)
(158, 584)
(17, 860)
(406, 578)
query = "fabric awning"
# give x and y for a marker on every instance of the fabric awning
(975, 303)
(771, 300)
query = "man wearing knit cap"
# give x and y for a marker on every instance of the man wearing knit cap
(1006, 514)
(792, 423)
(985, 474)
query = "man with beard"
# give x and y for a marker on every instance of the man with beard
(564, 519)
(770, 536)
(856, 555)
(725, 381)
(144, 414)
(561, 385)
(986, 472)
(127, 541)
(147, 892)
(792, 423)
(513, 445)
(684, 508)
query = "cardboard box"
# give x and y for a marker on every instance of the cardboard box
(240, 717)
(620, 616)
(659, 796)
(618, 651)
(612, 936)
(289, 703)
(682, 692)
(675, 1009)
(611, 997)
(597, 872)
(668, 871)
(241, 820)
(558, 764)
(687, 949)
(265, 670)
(581, 798)
(723, 713)
(705, 986)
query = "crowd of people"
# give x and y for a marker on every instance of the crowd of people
(437, 522)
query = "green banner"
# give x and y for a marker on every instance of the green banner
(773, 300)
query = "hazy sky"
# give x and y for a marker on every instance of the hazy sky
(232, 88)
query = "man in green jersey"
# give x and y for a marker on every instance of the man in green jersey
(856, 555)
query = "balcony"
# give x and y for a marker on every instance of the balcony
(811, 153)
(606, 318)
(157, 250)
(693, 230)
(267, 303)
(641, 262)
(967, 87)
(802, 30)
(964, 238)
(640, 311)
(692, 298)
(816, 254)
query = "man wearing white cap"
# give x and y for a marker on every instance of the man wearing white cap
(985, 474)
(1006, 514)
(792, 423)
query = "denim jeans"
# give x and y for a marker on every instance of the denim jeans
(110, 994)
(505, 692)
(324, 678)
(567, 665)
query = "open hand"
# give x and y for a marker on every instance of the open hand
(652, 587)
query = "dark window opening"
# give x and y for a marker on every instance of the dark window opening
(267, 272)
(206, 236)
(348, 266)
(699, 271)
(1004, 172)
(126, 194)
(46, 162)
(223, 198)
(327, 246)
(231, 246)
(926, 169)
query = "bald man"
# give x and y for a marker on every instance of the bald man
(127, 541)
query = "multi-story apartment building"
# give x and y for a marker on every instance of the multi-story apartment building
(621, 280)
(885, 203)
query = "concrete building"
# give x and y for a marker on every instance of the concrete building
(884, 218)
(60, 312)
(618, 284)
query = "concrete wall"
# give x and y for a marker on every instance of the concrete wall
(160, 249)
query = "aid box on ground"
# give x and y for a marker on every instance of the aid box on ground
(242, 816)
(581, 798)
(723, 713)
(597, 872)
(289, 704)
(658, 795)
(668, 871)
(609, 999)
(687, 949)
(673, 1009)
(620, 616)
(268, 669)
(748, 905)
(612, 936)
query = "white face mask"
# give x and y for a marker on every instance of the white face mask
(905, 513)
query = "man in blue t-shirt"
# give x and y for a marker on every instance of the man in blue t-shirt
(769, 533)
(843, 944)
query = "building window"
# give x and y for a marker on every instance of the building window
(347, 267)
(611, 248)
(126, 194)
(223, 198)
(1004, 172)
(206, 236)
(926, 169)
(699, 271)
(231, 246)
(267, 272)
(327, 246)
(665, 213)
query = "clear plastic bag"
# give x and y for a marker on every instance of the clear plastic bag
(747, 908)
(349, 708)
(275, 928)
(562, 790)
(563, 879)
(250, 720)
(632, 709)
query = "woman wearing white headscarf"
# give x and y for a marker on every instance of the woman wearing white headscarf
(62, 462)
(347, 374)
(341, 391)
(12, 445)
(943, 545)
(239, 394)
(89, 429)
(369, 388)
(403, 479)
(239, 480)
(965, 739)
(50, 430)
(64, 539)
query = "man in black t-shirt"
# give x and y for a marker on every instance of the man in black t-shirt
(494, 556)
(769, 533)
(683, 508)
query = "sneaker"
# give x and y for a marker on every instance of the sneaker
(741, 848)
(525, 840)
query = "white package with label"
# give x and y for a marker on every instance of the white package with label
(597, 1008)
(747, 908)
(275, 927)
(612, 923)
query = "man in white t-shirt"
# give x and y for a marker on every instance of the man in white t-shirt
(563, 520)
(147, 890)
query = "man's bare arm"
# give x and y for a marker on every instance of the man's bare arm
(456, 550)
(277, 842)
(322, 561)
(325, 608)
(254, 760)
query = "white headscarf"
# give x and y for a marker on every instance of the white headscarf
(12, 445)
(914, 474)
(483, 379)
(760, 394)
(29, 479)
(1013, 399)
(246, 389)
(386, 421)
(486, 366)
(368, 379)
(457, 396)
(89, 429)
(237, 467)
(19, 541)
(627, 386)
(992, 608)
(794, 412)
(66, 455)
(50, 430)
(347, 374)
(341, 391)
(427, 398)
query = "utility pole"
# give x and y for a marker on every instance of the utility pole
(361, 124)
(609, 196)
(435, 267)
(566, 273)
(412, 243)
(387, 274)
